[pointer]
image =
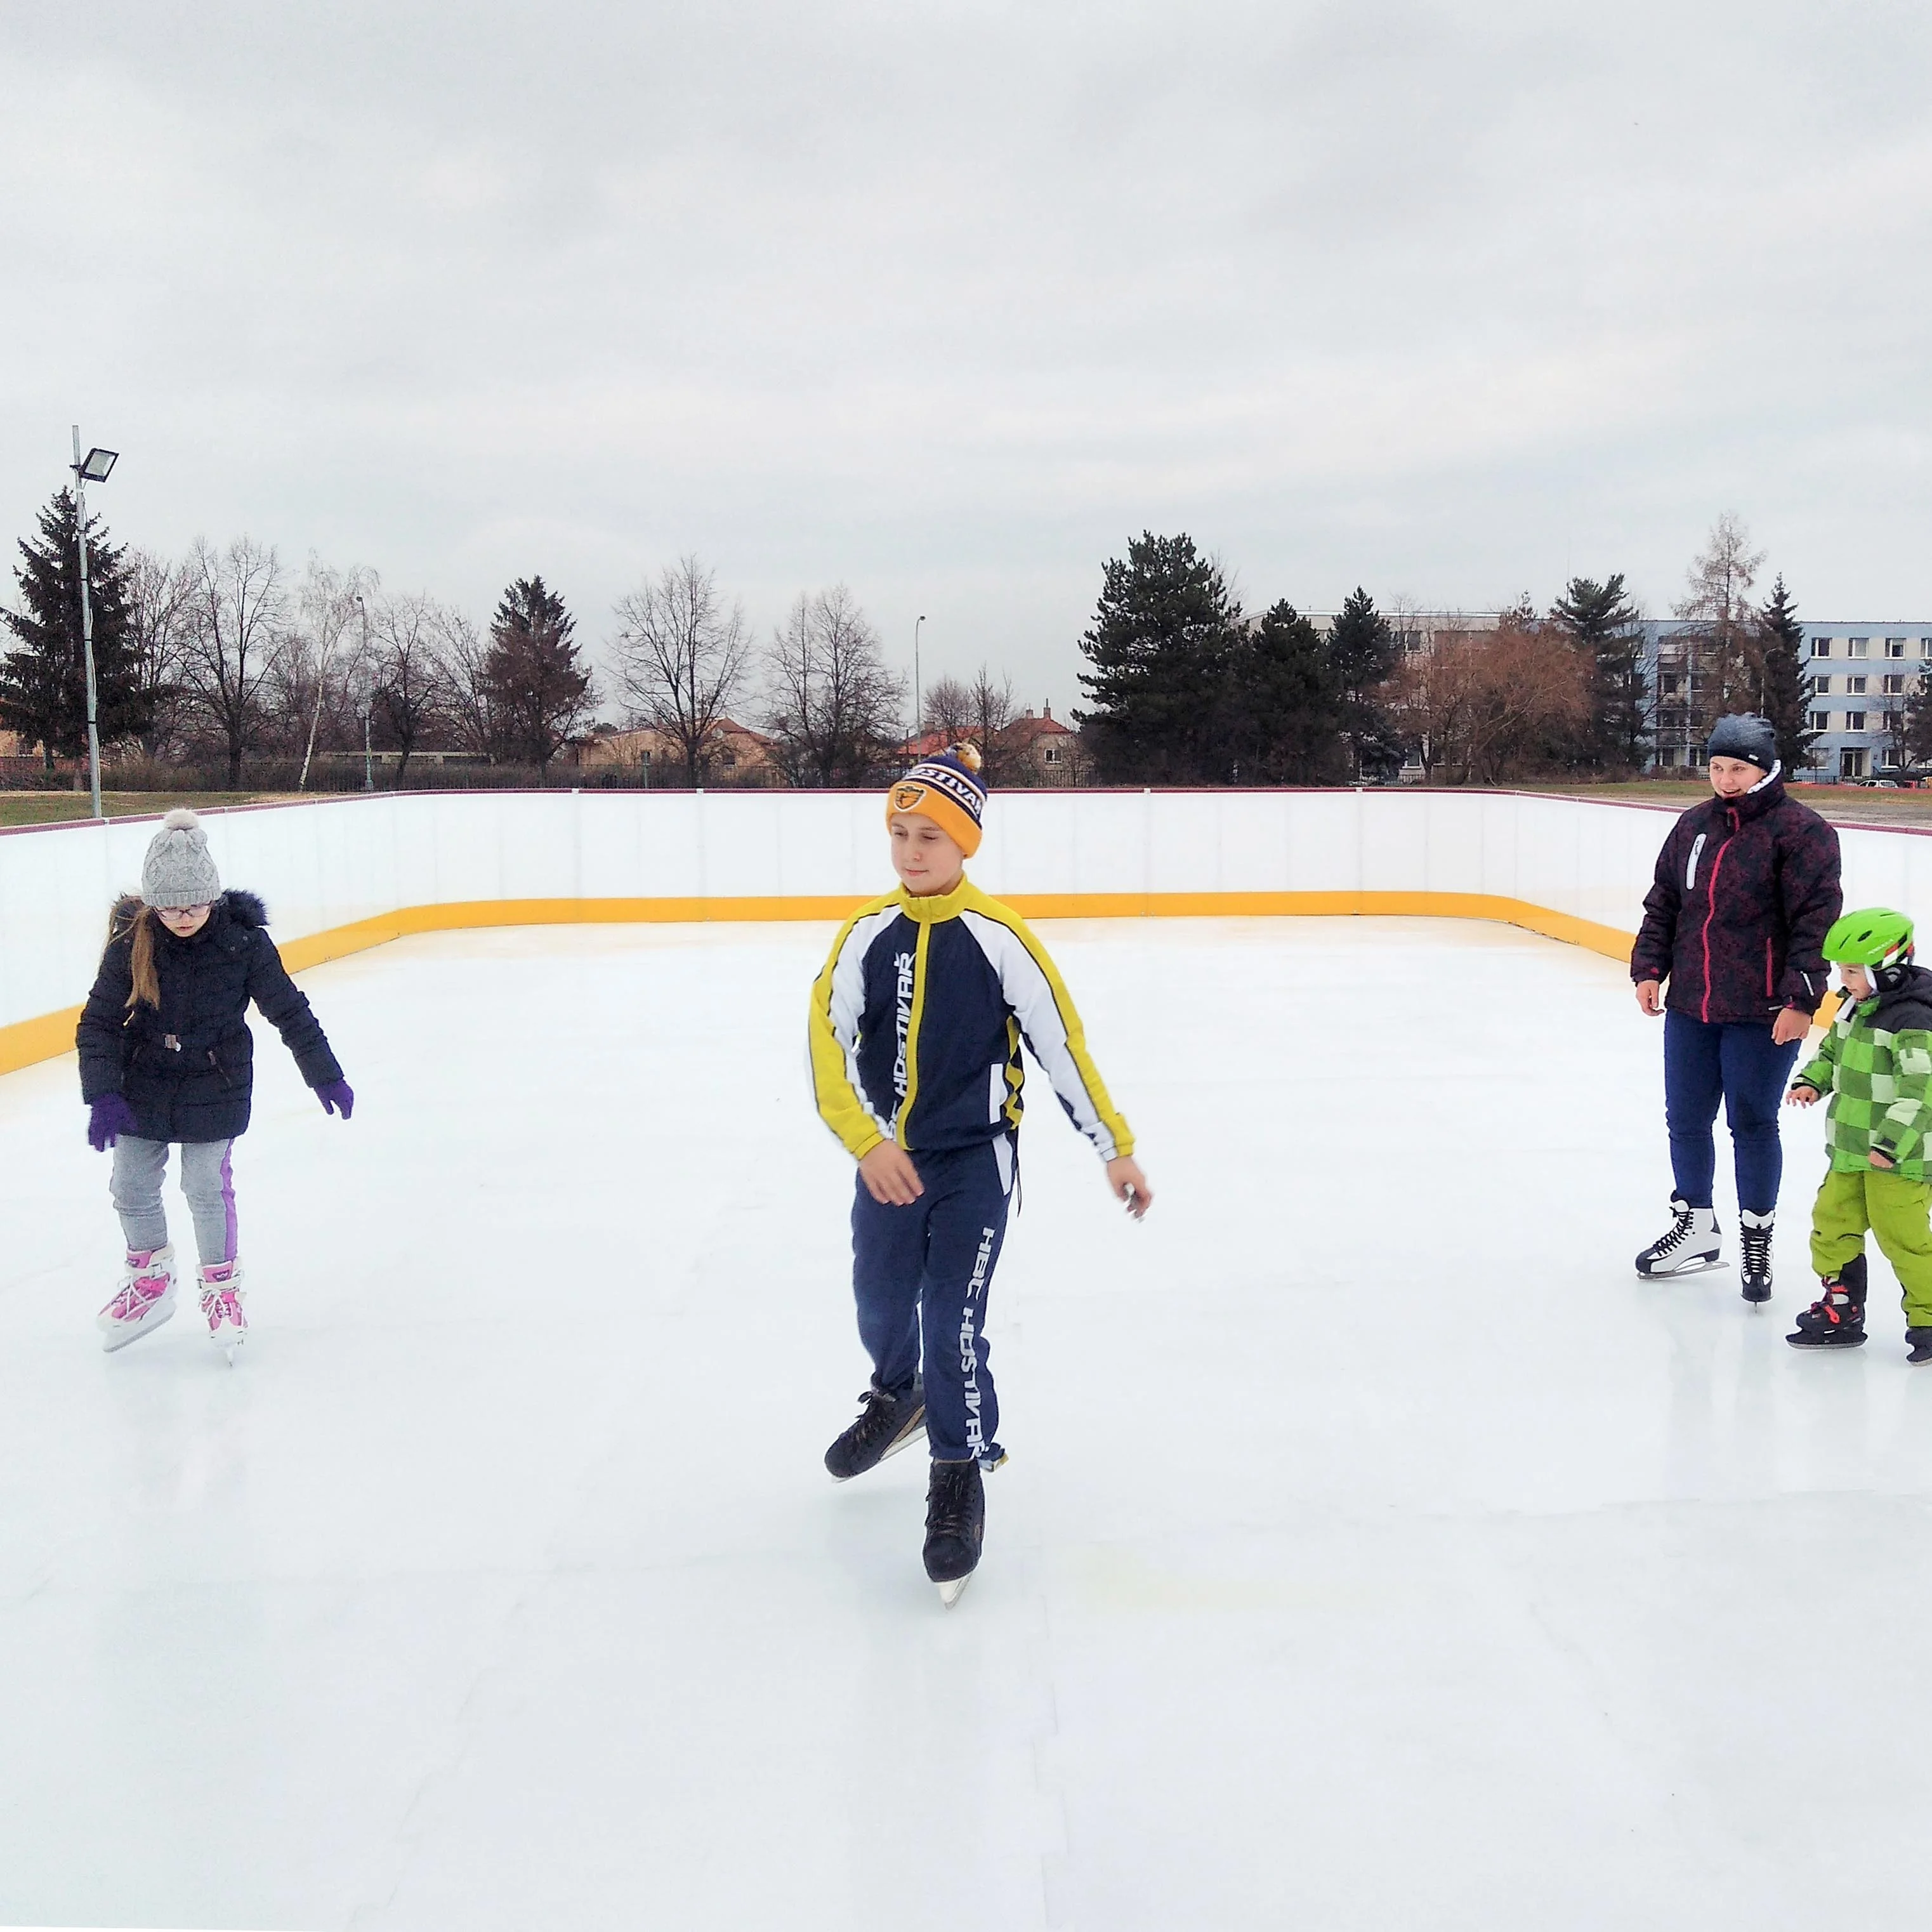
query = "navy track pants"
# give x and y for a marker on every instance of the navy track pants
(1739, 1064)
(921, 1273)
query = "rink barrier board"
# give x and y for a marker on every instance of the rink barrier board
(49, 1035)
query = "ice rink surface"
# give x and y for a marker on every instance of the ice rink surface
(1375, 1551)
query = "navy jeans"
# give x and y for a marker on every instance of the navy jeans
(1739, 1064)
(922, 1272)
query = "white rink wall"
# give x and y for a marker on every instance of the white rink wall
(331, 863)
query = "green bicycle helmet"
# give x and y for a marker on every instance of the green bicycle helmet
(1876, 937)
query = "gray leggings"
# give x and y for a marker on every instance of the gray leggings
(206, 1179)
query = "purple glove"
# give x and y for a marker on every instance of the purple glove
(108, 1119)
(338, 1097)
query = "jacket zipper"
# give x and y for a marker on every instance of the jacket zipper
(1770, 985)
(1710, 913)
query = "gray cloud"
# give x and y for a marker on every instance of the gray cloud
(949, 301)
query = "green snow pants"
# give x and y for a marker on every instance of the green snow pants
(1896, 1210)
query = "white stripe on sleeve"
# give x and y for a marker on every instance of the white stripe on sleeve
(1030, 993)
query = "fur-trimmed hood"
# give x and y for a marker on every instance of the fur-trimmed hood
(243, 908)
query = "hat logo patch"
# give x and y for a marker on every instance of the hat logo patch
(907, 797)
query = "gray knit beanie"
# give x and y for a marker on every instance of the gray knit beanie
(1743, 736)
(178, 871)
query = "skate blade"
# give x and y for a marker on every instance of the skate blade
(949, 1593)
(1689, 1268)
(914, 1435)
(118, 1340)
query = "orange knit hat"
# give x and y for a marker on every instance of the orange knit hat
(946, 789)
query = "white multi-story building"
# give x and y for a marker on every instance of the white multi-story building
(1861, 675)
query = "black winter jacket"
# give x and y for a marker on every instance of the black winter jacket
(1746, 889)
(187, 1069)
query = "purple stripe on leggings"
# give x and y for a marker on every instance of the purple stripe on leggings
(228, 1199)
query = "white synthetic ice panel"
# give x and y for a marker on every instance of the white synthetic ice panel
(1376, 1552)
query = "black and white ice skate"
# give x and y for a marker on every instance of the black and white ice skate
(1691, 1243)
(1837, 1319)
(1754, 1249)
(956, 1525)
(1919, 1342)
(886, 1424)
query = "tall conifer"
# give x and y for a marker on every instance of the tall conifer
(43, 678)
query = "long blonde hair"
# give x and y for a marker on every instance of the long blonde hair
(133, 921)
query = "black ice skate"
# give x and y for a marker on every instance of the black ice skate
(1920, 1340)
(886, 1424)
(1692, 1242)
(955, 1524)
(1837, 1319)
(1754, 1242)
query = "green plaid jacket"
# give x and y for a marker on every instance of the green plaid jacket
(1875, 1062)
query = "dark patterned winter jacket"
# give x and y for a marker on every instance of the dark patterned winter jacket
(1746, 889)
(187, 1069)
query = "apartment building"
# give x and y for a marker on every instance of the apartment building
(1860, 673)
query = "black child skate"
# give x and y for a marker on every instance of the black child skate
(886, 1424)
(1919, 1341)
(956, 1524)
(1837, 1319)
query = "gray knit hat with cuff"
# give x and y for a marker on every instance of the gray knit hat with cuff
(178, 870)
(1743, 736)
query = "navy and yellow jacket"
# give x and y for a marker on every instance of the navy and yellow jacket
(917, 1021)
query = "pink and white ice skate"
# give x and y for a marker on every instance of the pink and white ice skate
(144, 1300)
(221, 1293)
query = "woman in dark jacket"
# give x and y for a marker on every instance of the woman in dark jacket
(167, 1059)
(1746, 886)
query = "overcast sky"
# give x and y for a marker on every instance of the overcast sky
(950, 301)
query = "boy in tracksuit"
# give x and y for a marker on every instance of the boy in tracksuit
(1875, 1062)
(917, 1025)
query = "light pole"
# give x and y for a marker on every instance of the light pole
(96, 466)
(368, 699)
(918, 709)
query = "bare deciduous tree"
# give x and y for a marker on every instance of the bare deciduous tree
(158, 600)
(682, 657)
(472, 710)
(321, 665)
(832, 707)
(238, 628)
(1723, 666)
(948, 709)
(411, 682)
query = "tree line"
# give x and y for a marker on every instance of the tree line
(1184, 687)
(225, 659)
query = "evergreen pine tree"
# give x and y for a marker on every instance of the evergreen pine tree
(43, 678)
(1284, 714)
(1362, 655)
(1784, 691)
(1162, 633)
(1603, 624)
(539, 687)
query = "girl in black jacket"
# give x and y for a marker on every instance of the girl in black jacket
(166, 1058)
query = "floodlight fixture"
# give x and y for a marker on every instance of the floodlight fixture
(96, 466)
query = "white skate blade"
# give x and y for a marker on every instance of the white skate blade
(117, 1339)
(1699, 1266)
(949, 1593)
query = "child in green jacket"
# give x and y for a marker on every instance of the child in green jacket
(1875, 1062)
